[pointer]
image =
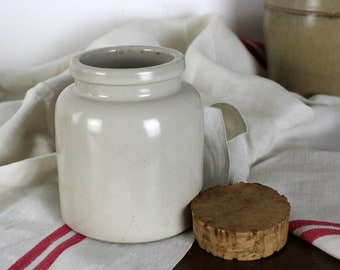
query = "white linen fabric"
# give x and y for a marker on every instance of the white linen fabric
(292, 145)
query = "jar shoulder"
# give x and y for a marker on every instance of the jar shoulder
(186, 100)
(69, 96)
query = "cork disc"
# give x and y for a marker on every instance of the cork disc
(245, 221)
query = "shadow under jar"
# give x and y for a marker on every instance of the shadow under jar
(302, 39)
(129, 137)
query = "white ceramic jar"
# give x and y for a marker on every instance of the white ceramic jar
(129, 137)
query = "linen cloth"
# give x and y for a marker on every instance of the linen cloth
(292, 144)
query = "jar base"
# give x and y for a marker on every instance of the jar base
(98, 235)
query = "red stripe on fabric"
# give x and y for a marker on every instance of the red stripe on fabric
(250, 47)
(260, 45)
(55, 253)
(37, 250)
(313, 234)
(296, 224)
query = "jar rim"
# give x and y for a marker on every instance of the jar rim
(328, 8)
(127, 65)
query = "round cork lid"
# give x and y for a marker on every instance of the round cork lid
(245, 221)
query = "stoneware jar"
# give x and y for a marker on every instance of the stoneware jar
(302, 40)
(129, 136)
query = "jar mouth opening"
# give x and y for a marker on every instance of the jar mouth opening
(126, 58)
(126, 65)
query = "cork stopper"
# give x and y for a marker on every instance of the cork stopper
(245, 221)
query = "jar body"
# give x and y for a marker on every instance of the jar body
(129, 168)
(303, 48)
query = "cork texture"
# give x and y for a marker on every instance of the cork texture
(245, 221)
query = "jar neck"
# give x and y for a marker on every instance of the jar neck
(127, 72)
(136, 92)
(320, 8)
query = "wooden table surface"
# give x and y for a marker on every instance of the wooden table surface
(297, 254)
